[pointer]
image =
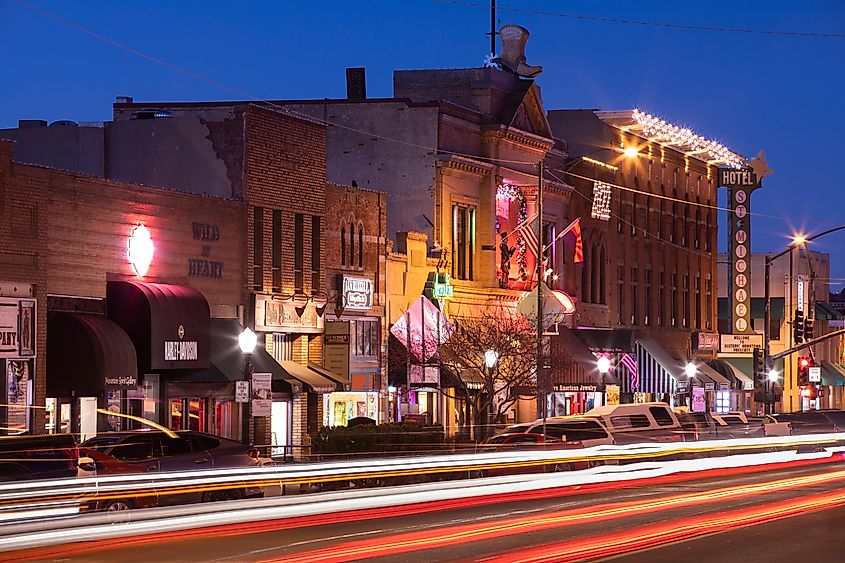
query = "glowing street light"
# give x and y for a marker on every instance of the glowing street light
(690, 370)
(247, 341)
(490, 358)
(773, 375)
(603, 363)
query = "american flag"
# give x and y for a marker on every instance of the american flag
(529, 234)
(630, 363)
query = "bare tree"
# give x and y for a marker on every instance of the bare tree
(513, 339)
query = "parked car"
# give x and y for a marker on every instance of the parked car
(521, 441)
(45, 456)
(156, 451)
(574, 431)
(809, 422)
(94, 463)
(638, 422)
(698, 426)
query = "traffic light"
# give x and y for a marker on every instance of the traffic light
(808, 328)
(804, 364)
(809, 392)
(798, 327)
(759, 368)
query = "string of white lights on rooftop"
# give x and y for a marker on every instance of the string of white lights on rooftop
(653, 126)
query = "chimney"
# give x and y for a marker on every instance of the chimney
(356, 84)
(124, 99)
(31, 123)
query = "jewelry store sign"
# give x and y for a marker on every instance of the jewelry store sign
(740, 344)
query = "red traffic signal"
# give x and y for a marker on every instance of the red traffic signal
(803, 363)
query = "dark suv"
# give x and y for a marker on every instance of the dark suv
(157, 451)
(47, 456)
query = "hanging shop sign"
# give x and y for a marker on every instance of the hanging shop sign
(181, 350)
(356, 293)
(17, 328)
(575, 388)
(262, 394)
(438, 286)
(336, 347)
(298, 314)
(707, 341)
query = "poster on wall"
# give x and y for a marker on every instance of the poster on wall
(612, 394)
(18, 395)
(26, 330)
(698, 402)
(262, 394)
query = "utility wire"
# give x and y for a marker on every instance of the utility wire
(688, 27)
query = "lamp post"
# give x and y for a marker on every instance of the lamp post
(490, 359)
(603, 363)
(690, 371)
(797, 242)
(246, 340)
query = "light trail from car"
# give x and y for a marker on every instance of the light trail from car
(244, 517)
(478, 532)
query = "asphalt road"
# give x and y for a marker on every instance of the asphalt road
(771, 516)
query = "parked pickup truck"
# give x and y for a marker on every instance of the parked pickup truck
(47, 456)
(639, 422)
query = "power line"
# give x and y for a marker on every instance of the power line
(687, 27)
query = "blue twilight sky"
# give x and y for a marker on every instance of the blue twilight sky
(779, 93)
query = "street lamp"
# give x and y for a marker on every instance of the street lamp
(603, 363)
(490, 359)
(773, 376)
(690, 371)
(247, 341)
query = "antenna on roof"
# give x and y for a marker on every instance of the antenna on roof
(492, 33)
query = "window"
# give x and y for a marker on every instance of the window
(315, 253)
(707, 229)
(360, 246)
(352, 244)
(661, 299)
(463, 241)
(282, 347)
(697, 304)
(629, 421)
(661, 416)
(686, 318)
(585, 282)
(602, 283)
(258, 248)
(175, 446)
(620, 295)
(573, 431)
(697, 226)
(367, 338)
(594, 268)
(708, 303)
(137, 448)
(276, 243)
(634, 301)
(674, 296)
(647, 304)
(343, 244)
(634, 211)
(298, 250)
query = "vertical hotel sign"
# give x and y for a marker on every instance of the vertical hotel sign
(740, 182)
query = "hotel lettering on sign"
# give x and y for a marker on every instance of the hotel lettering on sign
(741, 183)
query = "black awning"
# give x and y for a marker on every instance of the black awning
(614, 341)
(228, 363)
(87, 354)
(169, 324)
(572, 363)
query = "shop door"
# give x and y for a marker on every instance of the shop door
(189, 414)
(280, 428)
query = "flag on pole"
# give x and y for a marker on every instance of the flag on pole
(630, 363)
(572, 235)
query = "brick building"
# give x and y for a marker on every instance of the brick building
(272, 162)
(648, 282)
(355, 242)
(69, 238)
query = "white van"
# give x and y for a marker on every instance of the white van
(639, 422)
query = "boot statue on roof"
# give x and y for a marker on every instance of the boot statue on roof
(514, 37)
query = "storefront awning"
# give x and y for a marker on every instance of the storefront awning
(168, 324)
(87, 354)
(706, 373)
(228, 363)
(341, 380)
(657, 371)
(825, 312)
(833, 374)
(310, 377)
(572, 362)
(729, 370)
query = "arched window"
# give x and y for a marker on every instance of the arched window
(602, 278)
(707, 229)
(343, 243)
(585, 282)
(697, 227)
(594, 267)
(360, 245)
(352, 244)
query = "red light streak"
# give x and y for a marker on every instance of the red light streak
(439, 537)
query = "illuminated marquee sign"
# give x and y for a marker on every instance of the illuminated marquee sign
(140, 250)
(357, 293)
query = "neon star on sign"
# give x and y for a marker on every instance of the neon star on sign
(140, 250)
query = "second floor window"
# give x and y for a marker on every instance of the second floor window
(463, 241)
(315, 253)
(298, 250)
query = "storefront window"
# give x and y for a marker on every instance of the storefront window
(339, 408)
(176, 414)
(366, 338)
(223, 418)
(196, 415)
